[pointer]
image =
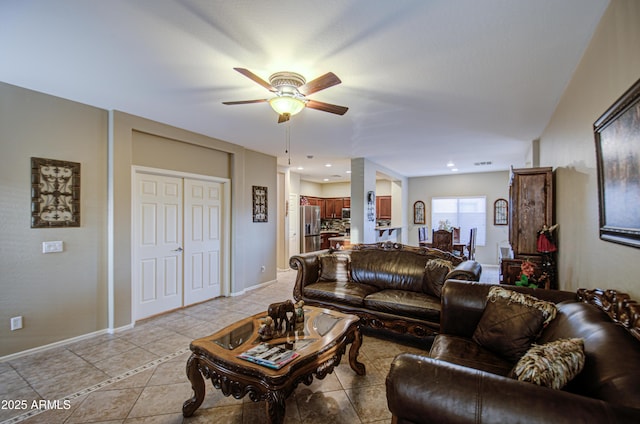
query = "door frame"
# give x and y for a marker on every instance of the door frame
(225, 283)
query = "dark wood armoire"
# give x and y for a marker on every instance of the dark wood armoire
(530, 210)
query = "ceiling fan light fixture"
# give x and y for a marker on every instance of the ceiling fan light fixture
(287, 104)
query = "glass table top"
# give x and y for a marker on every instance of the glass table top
(321, 323)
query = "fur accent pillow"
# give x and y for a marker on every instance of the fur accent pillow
(334, 267)
(551, 365)
(511, 321)
(435, 272)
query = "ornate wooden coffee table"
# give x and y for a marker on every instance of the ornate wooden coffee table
(320, 341)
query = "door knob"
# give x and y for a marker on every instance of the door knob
(179, 249)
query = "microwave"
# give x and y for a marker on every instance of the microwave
(346, 213)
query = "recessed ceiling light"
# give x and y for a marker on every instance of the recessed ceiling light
(300, 168)
(450, 164)
(328, 165)
(325, 179)
(454, 169)
(348, 172)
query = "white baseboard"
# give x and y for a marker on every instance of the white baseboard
(52, 345)
(64, 342)
(119, 329)
(248, 289)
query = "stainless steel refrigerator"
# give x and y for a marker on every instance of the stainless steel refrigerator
(309, 228)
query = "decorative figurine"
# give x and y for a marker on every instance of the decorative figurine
(279, 312)
(266, 329)
(300, 311)
(547, 246)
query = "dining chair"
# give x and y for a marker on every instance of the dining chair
(422, 236)
(443, 240)
(471, 247)
(456, 234)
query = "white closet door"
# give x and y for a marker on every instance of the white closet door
(158, 244)
(203, 233)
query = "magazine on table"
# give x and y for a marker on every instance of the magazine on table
(270, 356)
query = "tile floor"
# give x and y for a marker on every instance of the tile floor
(138, 375)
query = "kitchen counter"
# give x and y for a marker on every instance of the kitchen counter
(342, 242)
(384, 228)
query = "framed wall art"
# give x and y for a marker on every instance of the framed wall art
(418, 212)
(617, 137)
(501, 212)
(371, 206)
(55, 193)
(260, 204)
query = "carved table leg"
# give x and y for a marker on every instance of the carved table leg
(197, 384)
(276, 407)
(358, 367)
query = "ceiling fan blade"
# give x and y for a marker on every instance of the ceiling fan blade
(244, 102)
(325, 81)
(284, 118)
(327, 107)
(247, 73)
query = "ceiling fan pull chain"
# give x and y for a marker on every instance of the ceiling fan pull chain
(288, 141)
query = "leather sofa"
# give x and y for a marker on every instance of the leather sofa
(459, 382)
(390, 286)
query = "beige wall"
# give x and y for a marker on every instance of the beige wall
(308, 188)
(493, 185)
(69, 294)
(59, 295)
(158, 152)
(260, 237)
(610, 65)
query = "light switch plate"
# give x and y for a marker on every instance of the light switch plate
(16, 323)
(52, 246)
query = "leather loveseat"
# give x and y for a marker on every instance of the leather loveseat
(461, 382)
(390, 286)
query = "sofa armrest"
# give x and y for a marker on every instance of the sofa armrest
(425, 390)
(466, 270)
(308, 267)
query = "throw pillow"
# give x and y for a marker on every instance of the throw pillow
(334, 267)
(435, 272)
(553, 364)
(511, 321)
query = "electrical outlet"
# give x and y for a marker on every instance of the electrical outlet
(16, 323)
(52, 246)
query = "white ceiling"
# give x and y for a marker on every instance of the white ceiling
(426, 81)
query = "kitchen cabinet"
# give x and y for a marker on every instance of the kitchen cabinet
(383, 207)
(320, 202)
(333, 207)
(330, 207)
(311, 201)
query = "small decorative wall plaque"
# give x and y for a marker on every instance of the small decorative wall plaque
(260, 204)
(418, 212)
(55, 193)
(501, 212)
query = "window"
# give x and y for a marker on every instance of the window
(463, 212)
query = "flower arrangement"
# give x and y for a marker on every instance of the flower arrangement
(527, 278)
(444, 225)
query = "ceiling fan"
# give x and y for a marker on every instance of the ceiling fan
(290, 91)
